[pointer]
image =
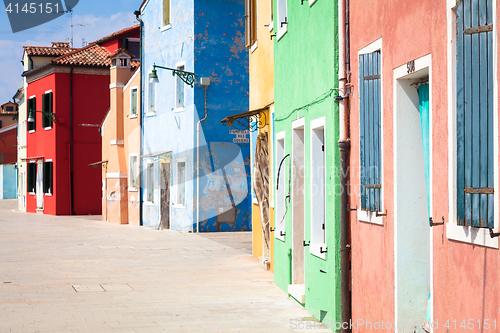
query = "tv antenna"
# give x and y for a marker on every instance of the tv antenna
(70, 11)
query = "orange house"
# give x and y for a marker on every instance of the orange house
(120, 131)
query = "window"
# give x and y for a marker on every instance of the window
(179, 90)
(133, 182)
(133, 102)
(474, 119)
(181, 183)
(134, 47)
(0, 124)
(47, 108)
(32, 107)
(282, 18)
(150, 181)
(31, 169)
(370, 106)
(318, 179)
(9, 109)
(165, 13)
(282, 175)
(251, 22)
(152, 98)
(47, 177)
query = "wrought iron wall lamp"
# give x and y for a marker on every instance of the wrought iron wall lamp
(188, 77)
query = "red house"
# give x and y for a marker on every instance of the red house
(67, 95)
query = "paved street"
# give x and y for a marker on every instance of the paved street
(79, 274)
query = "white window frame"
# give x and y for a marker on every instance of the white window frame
(315, 246)
(168, 26)
(178, 186)
(150, 113)
(31, 193)
(365, 216)
(146, 201)
(312, 2)
(178, 108)
(48, 92)
(472, 235)
(34, 115)
(131, 115)
(279, 211)
(130, 187)
(281, 29)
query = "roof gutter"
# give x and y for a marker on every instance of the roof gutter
(137, 14)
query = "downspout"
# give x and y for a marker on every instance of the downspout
(137, 13)
(71, 171)
(345, 147)
(198, 126)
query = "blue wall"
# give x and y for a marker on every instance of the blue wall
(9, 181)
(208, 36)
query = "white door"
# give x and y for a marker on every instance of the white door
(39, 185)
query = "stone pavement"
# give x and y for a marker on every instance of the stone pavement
(78, 274)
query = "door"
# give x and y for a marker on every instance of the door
(412, 201)
(165, 166)
(39, 184)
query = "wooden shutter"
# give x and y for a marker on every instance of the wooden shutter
(475, 160)
(370, 136)
(166, 12)
(32, 106)
(47, 177)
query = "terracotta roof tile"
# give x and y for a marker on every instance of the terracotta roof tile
(129, 30)
(49, 51)
(91, 55)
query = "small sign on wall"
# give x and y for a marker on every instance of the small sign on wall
(241, 136)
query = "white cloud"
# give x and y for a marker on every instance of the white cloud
(88, 27)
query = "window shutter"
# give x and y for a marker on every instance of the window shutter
(475, 160)
(31, 177)
(47, 177)
(370, 136)
(51, 108)
(45, 108)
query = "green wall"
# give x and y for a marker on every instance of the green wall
(305, 68)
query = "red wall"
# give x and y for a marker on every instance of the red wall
(90, 103)
(8, 145)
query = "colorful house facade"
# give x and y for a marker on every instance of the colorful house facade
(195, 172)
(21, 149)
(258, 123)
(8, 153)
(120, 133)
(306, 151)
(67, 96)
(424, 166)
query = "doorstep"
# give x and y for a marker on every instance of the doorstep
(297, 291)
(39, 210)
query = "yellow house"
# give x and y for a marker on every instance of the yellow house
(120, 131)
(259, 123)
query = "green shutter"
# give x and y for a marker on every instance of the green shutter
(370, 86)
(475, 160)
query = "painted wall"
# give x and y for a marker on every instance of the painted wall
(8, 142)
(90, 102)
(463, 276)
(305, 69)
(21, 153)
(207, 38)
(8, 181)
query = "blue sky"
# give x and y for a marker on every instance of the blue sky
(99, 17)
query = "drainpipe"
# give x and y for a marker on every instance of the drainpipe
(198, 163)
(71, 171)
(345, 147)
(137, 13)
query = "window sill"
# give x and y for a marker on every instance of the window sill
(166, 27)
(255, 201)
(281, 32)
(133, 189)
(150, 114)
(47, 194)
(369, 217)
(32, 193)
(179, 206)
(254, 47)
(314, 249)
(149, 203)
(179, 109)
(32, 131)
(132, 116)
(47, 128)
(476, 236)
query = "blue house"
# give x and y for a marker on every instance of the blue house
(195, 172)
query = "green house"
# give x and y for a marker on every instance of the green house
(306, 134)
